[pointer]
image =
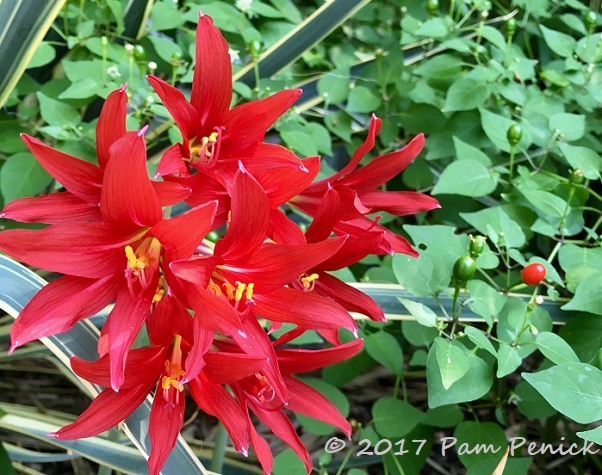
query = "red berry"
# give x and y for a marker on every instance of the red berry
(533, 274)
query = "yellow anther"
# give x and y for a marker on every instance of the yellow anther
(213, 137)
(173, 379)
(229, 290)
(158, 295)
(216, 289)
(249, 293)
(132, 259)
(308, 281)
(240, 289)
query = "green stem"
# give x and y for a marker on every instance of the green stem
(396, 387)
(345, 460)
(221, 439)
(511, 166)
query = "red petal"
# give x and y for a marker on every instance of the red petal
(282, 427)
(283, 230)
(307, 401)
(224, 368)
(143, 367)
(106, 411)
(181, 235)
(262, 450)
(362, 150)
(197, 270)
(383, 168)
(212, 80)
(88, 249)
(169, 318)
(172, 163)
(61, 207)
(184, 114)
(349, 297)
(325, 217)
(390, 244)
(111, 124)
(246, 124)
(60, 304)
(275, 265)
(214, 313)
(125, 321)
(128, 197)
(305, 309)
(399, 203)
(195, 361)
(249, 221)
(354, 250)
(302, 361)
(166, 420)
(81, 178)
(217, 401)
(170, 192)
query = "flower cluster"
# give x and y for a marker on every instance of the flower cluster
(208, 309)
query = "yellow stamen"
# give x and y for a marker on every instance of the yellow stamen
(216, 289)
(308, 281)
(240, 288)
(229, 290)
(249, 293)
(173, 367)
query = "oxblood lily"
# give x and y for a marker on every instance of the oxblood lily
(353, 192)
(215, 137)
(118, 259)
(166, 365)
(82, 180)
(256, 393)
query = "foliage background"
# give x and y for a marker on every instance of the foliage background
(479, 363)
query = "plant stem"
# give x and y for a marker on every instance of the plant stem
(221, 439)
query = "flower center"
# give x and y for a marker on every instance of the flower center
(173, 374)
(235, 293)
(142, 263)
(261, 389)
(206, 152)
(307, 281)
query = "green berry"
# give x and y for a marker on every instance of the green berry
(464, 269)
(477, 244)
(432, 7)
(576, 177)
(590, 20)
(514, 134)
(510, 27)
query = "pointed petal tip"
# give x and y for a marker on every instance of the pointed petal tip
(142, 131)
(244, 451)
(54, 435)
(124, 87)
(13, 347)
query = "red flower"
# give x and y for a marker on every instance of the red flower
(117, 259)
(82, 180)
(215, 136)
(353, 192)
(167, 365)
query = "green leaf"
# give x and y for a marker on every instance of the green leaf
(465, 94)
(555, 348)
(545, 201)
(23, 26)
(335, 396)
(466, 179)
(288, 462)
(560, 43)
(22, 176)
(582, 158)
(362, 99)
(81, 89)
(508, 359)
(493, 221)
(57, 113)
(6, 466)
(572, 126)
(441, 66)
(421, 276)
(574, 389)
(584, 334)
(594, 435)
(433, 28)
(473, 385)
(166, 16)
(334, 86)
(395, 418)
(484, 300)
(465, 151)
(299, 141)
(495, 127)
(444, 416)
(452, 359)
(588, 297)
(530, 403)
(385, 349)
(479, 339)
(423, 314)
(165, 48)
(44, 54)
(416, 334)
(494, 36)
(486, 439)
